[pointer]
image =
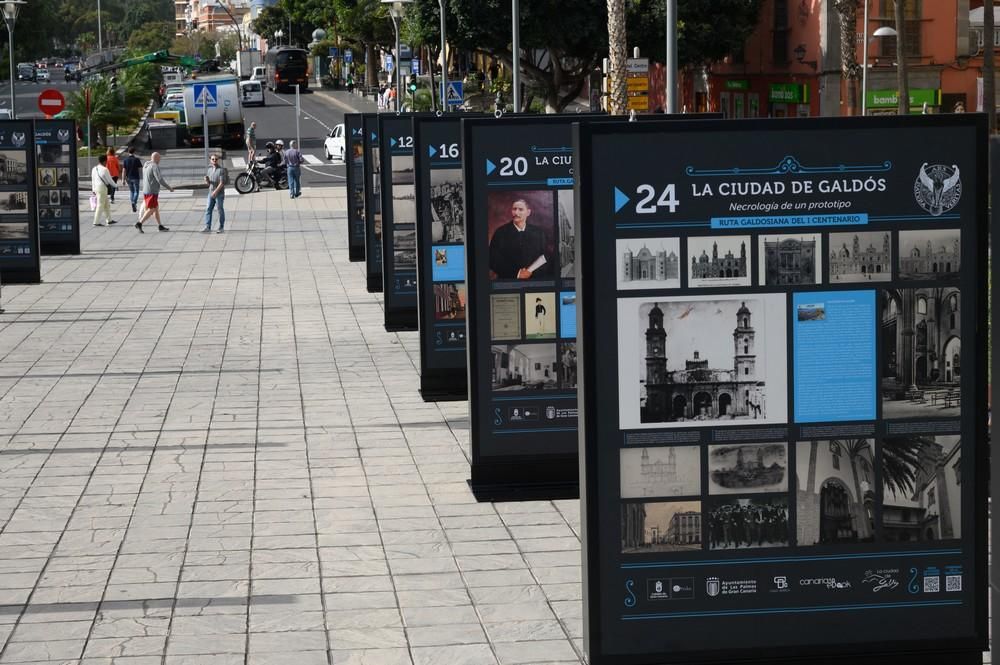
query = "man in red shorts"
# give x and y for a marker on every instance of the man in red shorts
(152, 180)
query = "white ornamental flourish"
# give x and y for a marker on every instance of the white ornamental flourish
(938, 188)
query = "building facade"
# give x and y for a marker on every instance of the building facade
(684, 529)
(933, 510)
(859, 260)
(703, 267)
(932, 260)
(699, 392)
(645, 265)
(790, 261)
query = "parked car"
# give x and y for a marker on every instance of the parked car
(252, 93)
(259, 73)
(43, 74)
(26, 71)
(5, 114)
(334, 143)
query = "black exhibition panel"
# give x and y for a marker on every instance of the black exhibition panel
(19, 245)
(995, 365)
(373, 204)
(399, 221)
(441, 294)
(57, 187)
(354, 151)
(783, 452)
(521, 309)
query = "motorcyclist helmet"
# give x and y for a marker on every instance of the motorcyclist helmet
(280, 143)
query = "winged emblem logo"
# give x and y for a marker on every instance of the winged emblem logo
(18, 139)
(938, 188)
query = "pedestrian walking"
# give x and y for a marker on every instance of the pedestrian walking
(251, 140)
(152, 180)
(293, 160)
(216, 178)
(115, 168)
(100, 184)
(132, 174)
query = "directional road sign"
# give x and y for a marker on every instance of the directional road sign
(348, 55)
(456, 93)
(206, 95)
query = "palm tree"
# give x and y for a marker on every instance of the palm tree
(900, 462)
(617, 54)
(848, 10)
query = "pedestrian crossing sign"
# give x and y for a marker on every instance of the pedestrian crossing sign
(455, 93)
(206, 95)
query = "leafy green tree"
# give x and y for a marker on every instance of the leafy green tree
(708, 30)
(139, 14)
(366, 25)
(156, 36)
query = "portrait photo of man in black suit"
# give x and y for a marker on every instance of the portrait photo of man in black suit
(521, 247)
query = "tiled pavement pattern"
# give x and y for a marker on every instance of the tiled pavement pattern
(212, 453)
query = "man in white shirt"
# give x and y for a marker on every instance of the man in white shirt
(100, 181)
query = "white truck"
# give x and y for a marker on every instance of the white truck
(219, 96)
(246, 61)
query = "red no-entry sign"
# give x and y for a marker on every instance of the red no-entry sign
(51, 101)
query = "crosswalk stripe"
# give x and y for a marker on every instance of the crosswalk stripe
(231, 191)
(239, 163)
(313, 159)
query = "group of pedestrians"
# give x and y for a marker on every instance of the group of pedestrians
(147, 178)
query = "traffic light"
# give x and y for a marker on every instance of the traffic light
(114, 85)
(412, 85)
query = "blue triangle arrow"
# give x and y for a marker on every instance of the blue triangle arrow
(620, 199)
(374, 138)
(431, 150)
(490, 167)
(392, 143)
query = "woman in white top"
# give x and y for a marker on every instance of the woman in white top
(100, 180)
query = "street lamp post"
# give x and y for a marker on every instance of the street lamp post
(444, 63)
(11, 8)
(239, 33)
(884, 31)
(670, 68)
(515, 47)
(396, 13)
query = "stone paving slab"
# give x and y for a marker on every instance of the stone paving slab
(212, 453)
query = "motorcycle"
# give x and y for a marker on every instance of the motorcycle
(256, 176)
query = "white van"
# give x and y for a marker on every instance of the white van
(259, 73)
(252, 93)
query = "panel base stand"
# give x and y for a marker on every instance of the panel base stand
(444, 385)
(400, 321)
(374, 283)
(59, 250)
(532, 480)
(355, 255)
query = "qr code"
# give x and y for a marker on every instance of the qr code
(932, 584)
(953, 583)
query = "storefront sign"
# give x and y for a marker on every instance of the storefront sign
(399, 222)
(782, 404)
(354, 135)
(57, 186)
(442, 296)
(788, 93)
(19, 243)
(373, 204)
(737, 84)
(890, 98)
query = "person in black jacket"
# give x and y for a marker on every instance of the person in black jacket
(132, 173)
(518, 249)
(271, 161)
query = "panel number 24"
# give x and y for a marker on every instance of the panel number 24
(649, 203)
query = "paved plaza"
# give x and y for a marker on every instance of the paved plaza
(212, 453)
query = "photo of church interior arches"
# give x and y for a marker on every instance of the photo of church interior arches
(524, 367)
(921, 352)
(930, 254)
(671, 471)
(660, 526)
(835, 491)
(921, 488)
(865, 256)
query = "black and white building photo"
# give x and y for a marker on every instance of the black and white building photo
(703, 362)
(930, 254)
(864, 256)
(747, 523)
(524, 367)
(14, 168)
(748, 468)
(567, 236)
(447, 206)
(790, 259)
(719, 261)
(13, 231)
(670, 471)
(921, 354)
(16, 203)
(835, 497)
(921, 488)
(404, 246)
(649, 263)
(660, 526)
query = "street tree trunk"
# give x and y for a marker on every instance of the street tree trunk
(848, 10)
(617, 54)
(901, 75)
(989, 70)
(371, 65)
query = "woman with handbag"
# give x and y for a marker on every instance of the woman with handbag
(101, 184)
(115, 168)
